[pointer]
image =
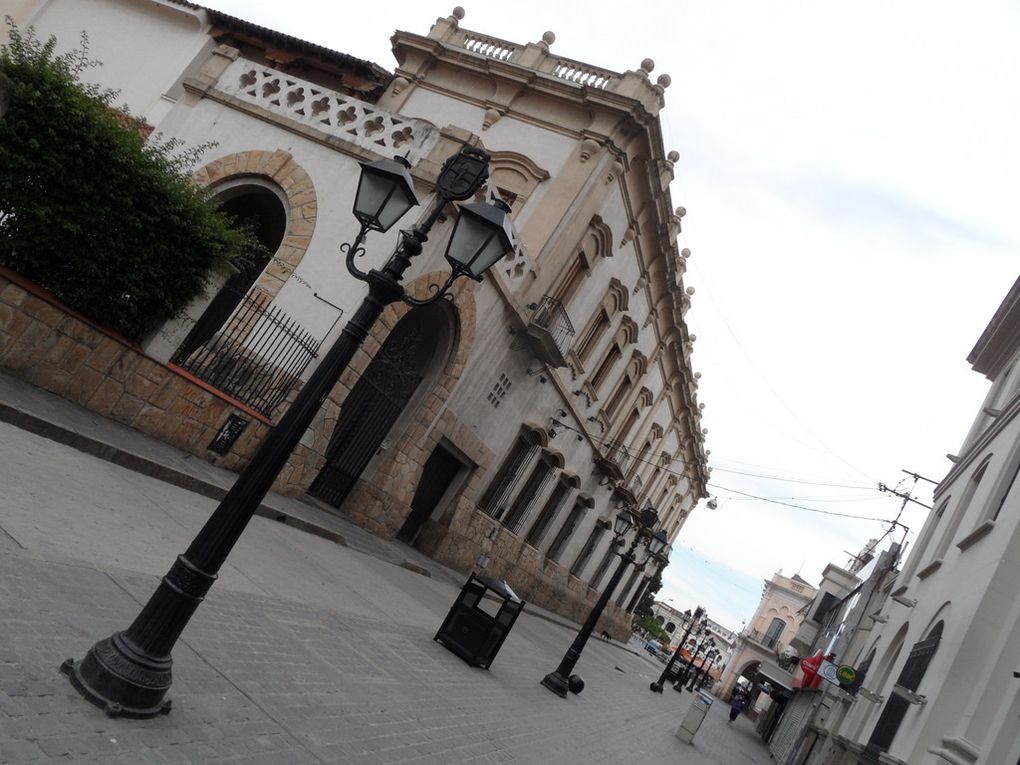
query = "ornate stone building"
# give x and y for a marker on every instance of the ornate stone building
(501, 429)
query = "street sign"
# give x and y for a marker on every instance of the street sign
(827, 671)
(846, 674)
(841, 675)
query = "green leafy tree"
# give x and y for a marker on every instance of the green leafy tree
(644, 606)
(109, 222)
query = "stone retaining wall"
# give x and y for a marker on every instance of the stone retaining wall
(49, 345)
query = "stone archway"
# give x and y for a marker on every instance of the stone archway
(382, 500)
(396, 378)
(299, 192)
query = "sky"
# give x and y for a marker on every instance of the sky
(848, 172)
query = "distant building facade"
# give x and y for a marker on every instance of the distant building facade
(768, 635)
(502, 429)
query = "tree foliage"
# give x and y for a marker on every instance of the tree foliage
(644, 606)
(109, 222)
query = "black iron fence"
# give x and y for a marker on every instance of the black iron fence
(257, 356)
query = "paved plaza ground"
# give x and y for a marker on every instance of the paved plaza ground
(305, 651)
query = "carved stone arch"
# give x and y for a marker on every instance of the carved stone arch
(570, 479)
(665, 458)
(598, 240)
(628, 332)
(553, 458)
(516, 175)
(639, 363)
(586, 500)
(617, 297)
(645, 397)
(396, 476)
(535, 434)
(302, 205)
(656, 427)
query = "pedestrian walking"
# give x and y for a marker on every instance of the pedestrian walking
(737, 705)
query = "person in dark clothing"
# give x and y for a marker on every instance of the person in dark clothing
(737, 705)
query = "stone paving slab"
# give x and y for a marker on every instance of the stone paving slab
(304, 652)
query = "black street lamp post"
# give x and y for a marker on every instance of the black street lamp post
(707, 642)
(129, 673)
(714, 654)
(558, 681)
(690, 621)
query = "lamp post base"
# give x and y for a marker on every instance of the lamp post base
(114, 669)
(556, 683)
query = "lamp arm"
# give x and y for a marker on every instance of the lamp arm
(439, 293)
(353, 250)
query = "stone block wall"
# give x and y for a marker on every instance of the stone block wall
(532, 576)
(44, 342)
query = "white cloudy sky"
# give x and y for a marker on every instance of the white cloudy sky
(849, 173)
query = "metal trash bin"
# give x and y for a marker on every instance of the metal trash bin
(475, 633)
(694, 717)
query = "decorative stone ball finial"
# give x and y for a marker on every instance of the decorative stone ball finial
(697, 375)
(704, 431)
(685, 252)
(664, 81)
(673, 156)
(694, 338)
(549, 38)
(458, 13)
(690, 290)
(647, 65)
(681, 211)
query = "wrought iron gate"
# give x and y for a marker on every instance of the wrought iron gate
(368, 413)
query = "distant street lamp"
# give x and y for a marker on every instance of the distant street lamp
(708, 642)
(129, 673)
(558, 681)
(713, 655)
(689, 620)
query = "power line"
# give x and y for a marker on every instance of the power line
(809, 509)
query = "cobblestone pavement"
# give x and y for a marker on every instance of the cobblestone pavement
(304, 652)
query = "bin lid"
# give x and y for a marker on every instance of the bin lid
(499, 586)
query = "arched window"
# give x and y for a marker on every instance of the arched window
(961, 509)
(773, 633)
(589, 547)
(566, 484)
(581, 504)
(533, 487)
(670, 627)
(595, 244)
(495, 499)
(259, 205)
(896, 706)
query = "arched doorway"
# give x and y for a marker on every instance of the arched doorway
(261, 207)
(411, 357)
(896, 706)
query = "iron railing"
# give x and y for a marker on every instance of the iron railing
(256, 357)
(550, 315)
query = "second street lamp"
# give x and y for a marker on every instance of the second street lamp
(689, 621)
(707, 642)
(129, 672)
(558, 681)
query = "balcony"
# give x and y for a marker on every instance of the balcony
(337, 115)
(629, 490)
(611, 460)
(550, 331)
(763, 639)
